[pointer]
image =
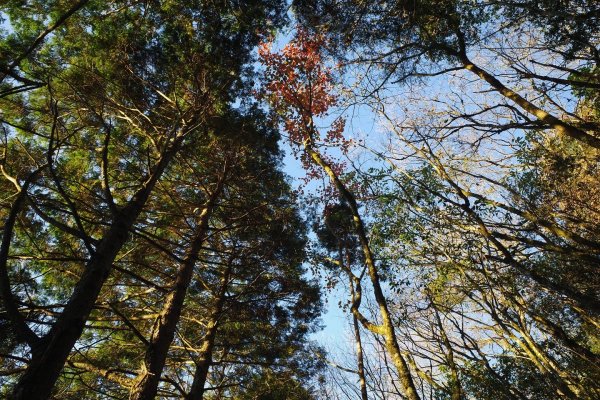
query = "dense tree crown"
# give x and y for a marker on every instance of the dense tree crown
(153, 246)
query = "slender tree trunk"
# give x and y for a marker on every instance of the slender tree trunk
(359, 350)
(204, 360)
(568, 384)
(545, 366)
(456, 386)
(163, 332)
(41, 374)
(558, 333)
(387, 329)
(17, 321)
(582, 301)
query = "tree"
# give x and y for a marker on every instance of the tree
(123, 93)
(415, 39)
(247, 307)
(298, 89)
(337, 236)
(487, 259)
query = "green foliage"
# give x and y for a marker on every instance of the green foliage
(101, 100)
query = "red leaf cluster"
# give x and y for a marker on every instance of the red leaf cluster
(298, 86)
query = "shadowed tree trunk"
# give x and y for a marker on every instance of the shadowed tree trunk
(204, 359)
(146, 383)
(19, 325)
(53, 349)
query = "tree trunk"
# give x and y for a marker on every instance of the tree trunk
(387, 328)
(163, 332)
(17, 321)
(41, 374)
(547, 118)
(455, 384)
(204, 360)
(581, 301)
(359, 352)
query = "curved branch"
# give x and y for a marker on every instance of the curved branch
(18, 323)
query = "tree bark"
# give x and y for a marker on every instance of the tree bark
(387, 329)
(39, 378)
(204, 360)
(163, 332)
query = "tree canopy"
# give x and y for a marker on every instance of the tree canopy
(154, 246)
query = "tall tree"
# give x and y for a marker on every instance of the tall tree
(129, 86)
(298, 88)
(415, 39)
